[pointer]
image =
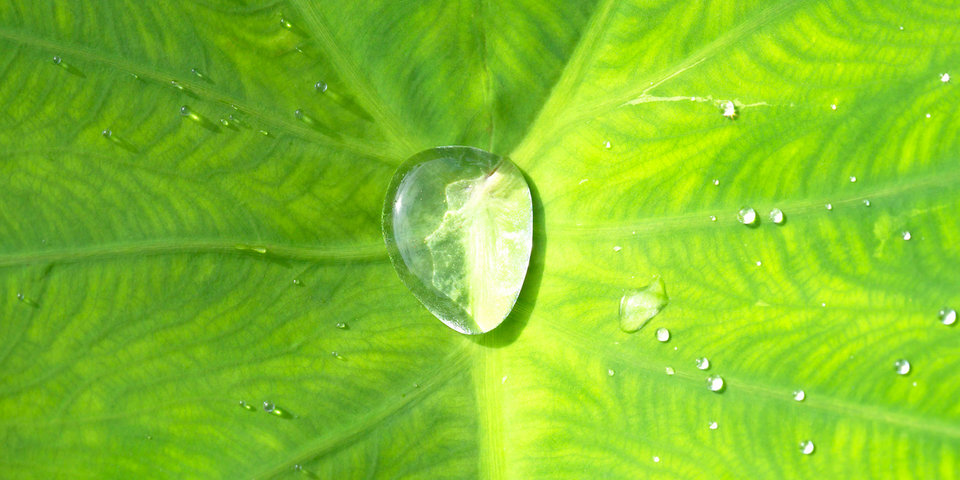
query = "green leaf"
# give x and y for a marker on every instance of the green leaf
(155, 276)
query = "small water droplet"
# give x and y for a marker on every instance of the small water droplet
(296, 281)
(610, 372)
(715, 383)
(269, 407)
(833, 106)
(729, 110)
(829, 206)
(776, 216)
(901, 28)
(297, 468)
(198, 73)
(337, 356)
(607, 144)
(57, 60)
(342, 325)
(747, 216)
(853, 179)
(713, 425)
(617, 248)
(663, 334)
(185, 111)
(670, 371)
(246, 406)
(703, 363)
(866, 203)
(320, 86)
(264, 133)
(637, 307)
(902, 366)
(944, 77)
(286, 23)
(806, 447)
(799, 395)
(713, 218)
(927, 115)
(948, 316)
(906, 235)
(716, 182)
(503, 380)
(656, 459)
(176, 84)
(106, 133)
(224, 122)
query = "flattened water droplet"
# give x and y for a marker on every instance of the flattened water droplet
(670, 371)
(776, 216)
(637, 307)
(948, 316)
(715, 383)
(747, 216)
(902, 366)
(342, 325)
(806, 447)
(458, 224)
(663, 334)
(799, 395)
(703, 363)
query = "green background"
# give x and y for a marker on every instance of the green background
(157, 266)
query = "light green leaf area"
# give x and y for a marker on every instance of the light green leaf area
(152, 279)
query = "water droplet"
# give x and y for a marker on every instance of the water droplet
(57, 60)
(866, 203)
(106, 133)
(320, 86)
(269, 407)
(296, 281)
(948, 316)
(225, 122)
(246, 406)
(637, 307)
(806, 447)
(906, 235)
(286, 23)
(446, 209)
(342, 325)
(715, 383)
(297, 468)
(663, 334)
(176, 84)
(729, 110)
(617, 248)
(799, 395)
(337, 356)
(670, 371)
(853, 179)
(610, 372)
(713, 218)
(703, 363)
(927, 115)
(902, 366)
(776, 216)
(747, 216)
(833, 106)
(713, 425)
(606, 144)
(198, 73)
(716, 182)
(901, 28)
(829, 206)
(264, 133)
(944, 77)
(759, 263)
(656, 459)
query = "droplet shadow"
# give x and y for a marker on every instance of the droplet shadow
(513, 325)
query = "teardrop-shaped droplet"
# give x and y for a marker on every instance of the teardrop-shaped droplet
(799, 395)
(637, 307)
(458, 224)
(806, 447)
(948, 316)
(715, 383)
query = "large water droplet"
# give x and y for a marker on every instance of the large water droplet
(703, 363)
(729, 110)
(948, 316)
(806, 447)
(670, 371)
(246, 406)
(637, 307)
(799, 395)
(269, 407)
(715, 383)
(776, 216)
(320, 86)
(663, 334)
(944, 77)
(747, 216)
(902, 366)
(458, 224)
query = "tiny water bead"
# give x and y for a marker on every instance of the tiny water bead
(342, 325)
(713, 218)
(670, 371)
(338, 356)
(610, 372)
(663, 334)
(906, 235)
(948, 316)
(806, 447)
(716, 182)
(57, 60)
(106, 133)
(458, 225)
(829, 206)
(606, 144)
(747, 216)
(776, 216)
(853, 179)
(269, 407)
(246, 406)
(713, 426)
(637, 307)
(902, 366)
(656, 459)
(833, 106)
(866, 202)
(703, 363)
(944, 77)
(729, 110)
(320, 86)
(715, 383)
(799, 395)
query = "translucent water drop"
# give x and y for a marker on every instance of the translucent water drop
(716, 182)
(833, 106)
(902, 366)
(715, 383)
(269, 407)
(337, 356)
(606, 144)
(944, 77)
(747, 216)
(106, 133)
(703, 363)
(829, 206)
(713, 426)
(906, 235)
(617, 248)
(458, 225)
(286, 24)
(185, 111)
(296, 281)
(948, 316)
(663, 334)
(866, 203)
(342, 325)
(176, 84)
(297, 468)
(610, 372)
(729, 110)
(320, 86)
(670, 371)
(799, 395)
(806, 447)
(759, 263)
(57, 60)
(246, 406)
(713, 218)
(853, 179)
(656, 459)
(927, 115)
(776, 216)
(198, 73)
(264, 133)
(637, 307)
